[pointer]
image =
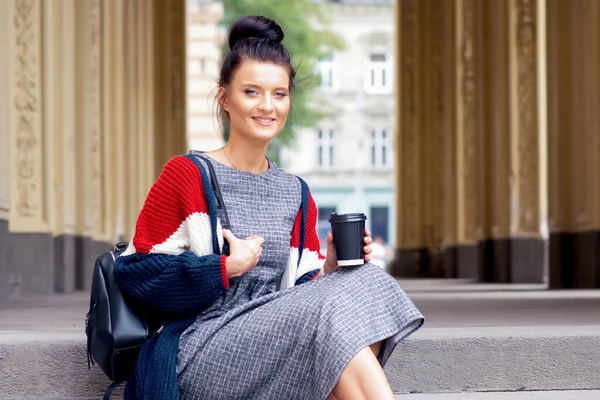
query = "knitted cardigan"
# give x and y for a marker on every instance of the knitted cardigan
(176, 252)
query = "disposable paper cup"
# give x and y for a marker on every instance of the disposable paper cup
(348, 235)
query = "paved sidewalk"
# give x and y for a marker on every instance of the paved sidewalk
(553, 395)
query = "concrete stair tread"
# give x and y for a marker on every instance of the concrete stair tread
(473, 341)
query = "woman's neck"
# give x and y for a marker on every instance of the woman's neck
(246, 156)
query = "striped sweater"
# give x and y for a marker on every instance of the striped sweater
(176, 251)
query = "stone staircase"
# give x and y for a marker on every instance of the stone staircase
(477, 338)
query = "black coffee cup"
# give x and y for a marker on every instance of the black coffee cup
(348, 235)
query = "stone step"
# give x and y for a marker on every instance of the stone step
(444, 360)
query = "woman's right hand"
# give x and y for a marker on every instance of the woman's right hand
(243, 253)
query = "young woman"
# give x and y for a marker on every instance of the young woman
(274, 319)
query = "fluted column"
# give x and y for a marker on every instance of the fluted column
(515, 128)
(468, 131)
(30, 207)
(410, 245)
(425, 139)
(169, 64)
(574, 143)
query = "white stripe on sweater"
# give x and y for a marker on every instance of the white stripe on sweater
(194, 234)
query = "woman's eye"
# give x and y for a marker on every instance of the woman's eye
(250, 91)
(280, 94)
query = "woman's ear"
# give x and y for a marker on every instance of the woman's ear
(222, 97)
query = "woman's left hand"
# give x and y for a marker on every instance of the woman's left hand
(331, 263)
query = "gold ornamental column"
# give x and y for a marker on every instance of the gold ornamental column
(425, 139)
(467, 80)
(574, 143)
(30, 224)
(170, 74)
(515, 115)
(410, 244)
(59, 132)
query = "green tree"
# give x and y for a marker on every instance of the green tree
(306, 37)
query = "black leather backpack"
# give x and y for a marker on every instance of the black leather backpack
(115, 333)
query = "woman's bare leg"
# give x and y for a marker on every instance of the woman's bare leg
(363, 379)
(375, 348)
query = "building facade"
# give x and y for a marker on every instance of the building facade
(204, 40)
(348, 158)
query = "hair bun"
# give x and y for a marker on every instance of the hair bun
(254, 26)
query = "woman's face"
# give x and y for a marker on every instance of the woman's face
(257, 100)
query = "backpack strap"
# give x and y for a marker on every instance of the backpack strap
(209, 193)
(110, 389)
(304, 208)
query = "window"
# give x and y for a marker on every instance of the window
(380, 222)
(325, 149)
(323, 225)
(327, 71)
(380, 149)
(378, 78)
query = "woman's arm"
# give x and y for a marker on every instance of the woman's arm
(170, 265)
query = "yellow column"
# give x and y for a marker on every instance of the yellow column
(169, 64)
(468, 109)
(574, 82)
(409, 237)
(28, 211)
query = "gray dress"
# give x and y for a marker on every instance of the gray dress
(256, 342)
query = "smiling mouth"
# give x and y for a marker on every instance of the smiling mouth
(264, 121)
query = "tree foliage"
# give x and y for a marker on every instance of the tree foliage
(304, 23)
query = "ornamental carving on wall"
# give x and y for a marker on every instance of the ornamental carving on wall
(27, 108)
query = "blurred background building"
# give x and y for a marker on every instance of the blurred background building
(486, 159)
(347, 158)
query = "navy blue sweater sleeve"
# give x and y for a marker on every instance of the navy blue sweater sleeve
(171, 284)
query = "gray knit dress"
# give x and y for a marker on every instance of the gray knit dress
(258, 342)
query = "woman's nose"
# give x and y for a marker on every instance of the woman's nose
(265, 104)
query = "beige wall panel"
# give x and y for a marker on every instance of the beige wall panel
(5, 108)
(466, 119)
(409, 232)
(524, 151)
(28, 209)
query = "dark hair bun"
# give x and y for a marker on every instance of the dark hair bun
(254, 26)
